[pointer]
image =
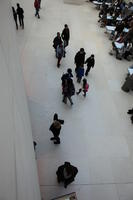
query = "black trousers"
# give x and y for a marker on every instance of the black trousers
(21, 21)
(37, 13)
(87, 70)
(65, 97)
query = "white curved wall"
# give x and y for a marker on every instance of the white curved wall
(18, 172)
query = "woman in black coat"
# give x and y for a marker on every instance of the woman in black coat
(66, 173)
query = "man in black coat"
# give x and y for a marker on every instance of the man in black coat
(20, 13)
(65, 35)
(79, 59)
(66, 173)
(57, 41)
(90, 63)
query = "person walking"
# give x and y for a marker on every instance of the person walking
(80, 73)
(20, 13)
(66, 173)
(65, 35)
(67, 75)
(79, 59)
(15, 17)
(55, 128)
(68, 90)
(57, 119)
(60, 52)
(57, 40)
(37, 7)
(84, 88)
(90, 63)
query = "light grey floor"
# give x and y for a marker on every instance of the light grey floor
(97, 136)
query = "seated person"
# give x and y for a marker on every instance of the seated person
(66, 173)
(128, 52)
(119, 28)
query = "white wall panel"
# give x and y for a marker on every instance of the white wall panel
(18, 172)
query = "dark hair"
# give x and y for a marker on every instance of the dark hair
(81, 49)
(55, 117)
(66, 25)
(18, 4)
(92, 55)
(69, 70)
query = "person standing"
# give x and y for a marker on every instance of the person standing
(60, 53)
(79, 59)
(90, 63)
(66, 173)
(65, 35)
(15, 17)
(37, 7)
(84, 88)
(20, 13)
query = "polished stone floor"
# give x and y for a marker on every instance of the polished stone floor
(97, 136)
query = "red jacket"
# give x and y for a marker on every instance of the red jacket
(36, 4)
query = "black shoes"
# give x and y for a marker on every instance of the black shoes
(56, 142)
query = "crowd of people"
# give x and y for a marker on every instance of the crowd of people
(118, 15)
(66, 172)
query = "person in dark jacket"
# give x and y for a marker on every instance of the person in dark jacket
(79, 58)
(20, 13)
(66, 173)
(15, 17)
(57, 40)
(55, 128)
(80, 73)
(37, 7)
(68, 90)
(90, 63)
(65, 35)
(67, 75)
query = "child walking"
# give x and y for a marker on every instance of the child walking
(84, 88)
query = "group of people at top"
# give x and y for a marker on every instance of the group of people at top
(120, 15)
(18, 14)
